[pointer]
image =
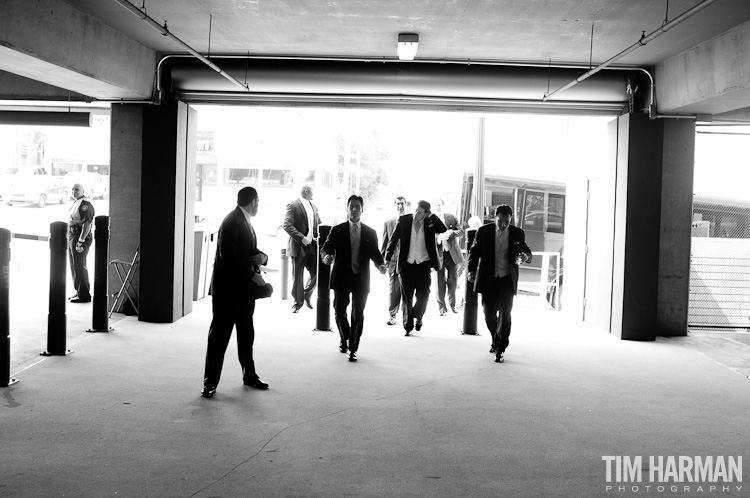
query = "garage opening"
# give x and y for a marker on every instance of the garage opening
(538, 164)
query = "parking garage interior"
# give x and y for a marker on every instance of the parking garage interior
(621, 367)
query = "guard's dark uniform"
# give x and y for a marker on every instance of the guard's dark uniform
(81, 212)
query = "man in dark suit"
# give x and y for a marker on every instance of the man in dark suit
(414, 236)
(301, 223)
(450, 257)
(350, 247)
(394, 285)
(235, 285)
(494, 257)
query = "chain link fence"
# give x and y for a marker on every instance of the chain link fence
(720, 263)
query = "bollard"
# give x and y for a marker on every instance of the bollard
(284, 275)
(99, 314)
(56, 320)
(5, 379)
(323, 306)
(470, 301)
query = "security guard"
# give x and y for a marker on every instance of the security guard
(81, 215)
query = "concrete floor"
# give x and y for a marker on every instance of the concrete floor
(424, 416)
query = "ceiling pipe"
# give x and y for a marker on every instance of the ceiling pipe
(165, 32)
(643, 41)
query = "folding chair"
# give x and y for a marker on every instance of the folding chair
(126, 270)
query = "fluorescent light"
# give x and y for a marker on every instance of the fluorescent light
(407, 46)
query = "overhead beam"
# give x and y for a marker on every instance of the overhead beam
(710, 78)
(52, 42)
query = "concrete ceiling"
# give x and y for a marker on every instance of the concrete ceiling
(499, 30)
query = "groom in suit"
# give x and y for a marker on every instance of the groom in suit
(394, 286)
(301, 223)
(235, 285)
(414, 236)
(350, 247)
(450, 258)
(494, 257)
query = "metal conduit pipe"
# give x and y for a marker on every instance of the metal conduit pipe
(641, 42)
(165, 32)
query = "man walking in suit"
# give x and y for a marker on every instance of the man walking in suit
(301, 223)
(235, 285)
(350, 247)
(450, 257)
(494, 257)
(414, 236)
(394, 284)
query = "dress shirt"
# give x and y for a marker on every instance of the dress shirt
(310, 216)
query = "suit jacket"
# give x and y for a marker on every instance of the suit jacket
(295, 224)
(233, 271)
(338, 244)
(402, 238)
(482, 255)
(388, 227)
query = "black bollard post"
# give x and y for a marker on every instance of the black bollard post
(99, 314)
(284, 275)
(57, 319)
(323, 306)
(471, 305)
(5, 379)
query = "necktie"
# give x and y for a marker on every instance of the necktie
(498, 253)
(355, 248)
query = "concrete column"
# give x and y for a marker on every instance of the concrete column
(676, 218)
(126, 157)
(153, 152)
(653, 213)
(637, 246)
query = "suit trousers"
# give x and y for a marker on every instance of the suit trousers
(230, 312)
(497, 305)
(350, 334)
(299, 264)
(394, 291)
(415, 279)
(447, 276)
(78, 269)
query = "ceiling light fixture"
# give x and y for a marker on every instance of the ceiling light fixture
(407, 46)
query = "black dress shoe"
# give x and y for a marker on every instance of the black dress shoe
(208, 391)
(453, 309)
(308, 303)
(80, 300)
(493, 349)
(418, 325)
(257, 384)
(296, 308)
(343, 348)
(352, 356)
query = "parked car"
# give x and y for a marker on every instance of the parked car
(33, 185)
(95, 185)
